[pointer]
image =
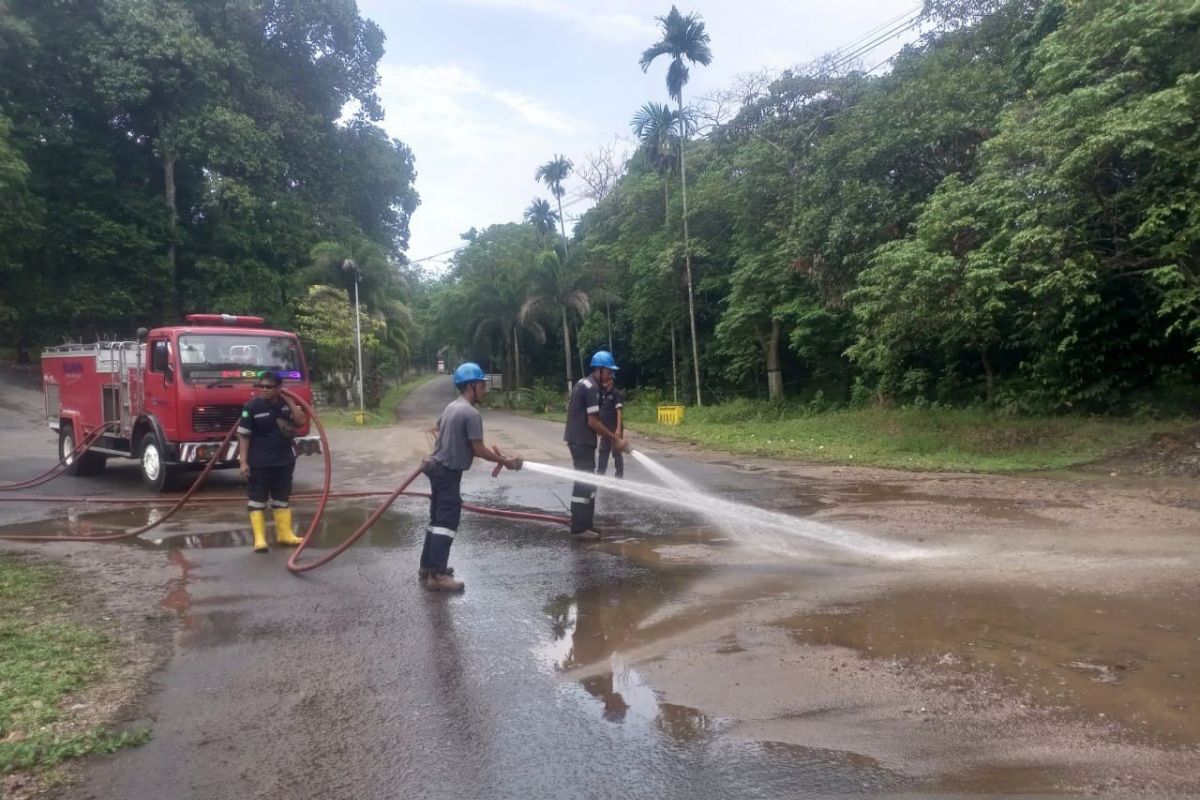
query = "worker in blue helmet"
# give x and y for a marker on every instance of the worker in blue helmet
(583, 427)
(458, 441)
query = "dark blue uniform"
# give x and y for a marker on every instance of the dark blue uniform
(611, 401)
(272, 459)
(581, 440)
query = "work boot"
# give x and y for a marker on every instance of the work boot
(423, 572)
(590, 535)
(258, 524)
(283, 528)
(444, 583)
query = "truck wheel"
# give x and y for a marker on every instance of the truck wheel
(88, 463)
(156, 475)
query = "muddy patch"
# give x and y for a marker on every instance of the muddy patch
(1133, 660)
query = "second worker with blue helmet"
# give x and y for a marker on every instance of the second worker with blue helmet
(459, 440)
(582, 429)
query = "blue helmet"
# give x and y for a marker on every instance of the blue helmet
(468, 373)
(603, 358)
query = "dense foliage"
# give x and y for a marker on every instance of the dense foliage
(165, 156)
(1010, 215)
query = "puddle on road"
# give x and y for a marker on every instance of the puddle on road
(593, 636)
(212, 527)
(1134, 660)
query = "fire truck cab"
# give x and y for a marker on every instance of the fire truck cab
(168, 398)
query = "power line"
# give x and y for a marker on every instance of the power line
(835, 54)
(898, 29)
(435, 255)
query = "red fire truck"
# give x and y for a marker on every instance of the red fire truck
(169, 397)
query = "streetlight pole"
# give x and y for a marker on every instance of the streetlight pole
(349, 265)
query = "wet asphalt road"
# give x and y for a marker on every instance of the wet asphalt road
(354, 682)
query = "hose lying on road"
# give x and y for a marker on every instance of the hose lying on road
(63, 464)
(322, 498)
(117, 536)
(295, 567)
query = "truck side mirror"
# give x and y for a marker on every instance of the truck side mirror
(159, 356)
(168, 374)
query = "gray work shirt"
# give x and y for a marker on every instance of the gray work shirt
(459, 424)
(585, 399)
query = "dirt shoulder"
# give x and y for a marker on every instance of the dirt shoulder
(122, 594)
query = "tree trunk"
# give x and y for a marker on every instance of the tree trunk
(774, 373)
(169, 192)
(666, 198)
(608, 317)
(567, 348)
(674, 373)
(508, 360)
(516, 359)
(687, 253)
(168, 165)
(579, 353)
(989, 373)
(562, 224)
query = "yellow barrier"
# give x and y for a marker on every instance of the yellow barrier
(670, 414)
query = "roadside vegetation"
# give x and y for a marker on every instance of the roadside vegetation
(46, 660)
(969, 440)
(380, 417)
(996, 217)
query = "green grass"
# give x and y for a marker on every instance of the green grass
(381, 417)
(45, 659)
(944, 439)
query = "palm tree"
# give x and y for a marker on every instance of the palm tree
(541, 216)
(381, 286)
(682, 38)
(496, 309)
(555, 287)
(653, 125)
(553, 173)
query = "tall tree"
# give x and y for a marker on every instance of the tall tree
(555, 287)
(654, 126)
(553, 173)
(683, 37)
(542, 217)
(381, 287)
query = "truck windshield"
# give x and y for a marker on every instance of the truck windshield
(237, 357)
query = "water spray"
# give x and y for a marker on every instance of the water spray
(758, 519)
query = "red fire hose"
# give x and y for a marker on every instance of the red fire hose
(117, 536)
(61, 467)
(322, 497)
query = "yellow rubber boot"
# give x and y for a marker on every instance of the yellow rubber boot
(258, 524)
(283, 528)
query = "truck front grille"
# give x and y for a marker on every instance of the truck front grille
(215, 419)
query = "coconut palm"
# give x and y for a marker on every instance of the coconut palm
(554, 287)
(496, 311)
(654, 127)
(381, 286)
(683, 37)
(542, 217)
(553, 173)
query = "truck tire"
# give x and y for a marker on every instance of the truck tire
(88, 463)
(152, 458)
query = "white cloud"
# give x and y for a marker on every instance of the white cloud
(476, 146)
(604, 26)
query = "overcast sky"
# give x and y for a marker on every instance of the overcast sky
(484, 91)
